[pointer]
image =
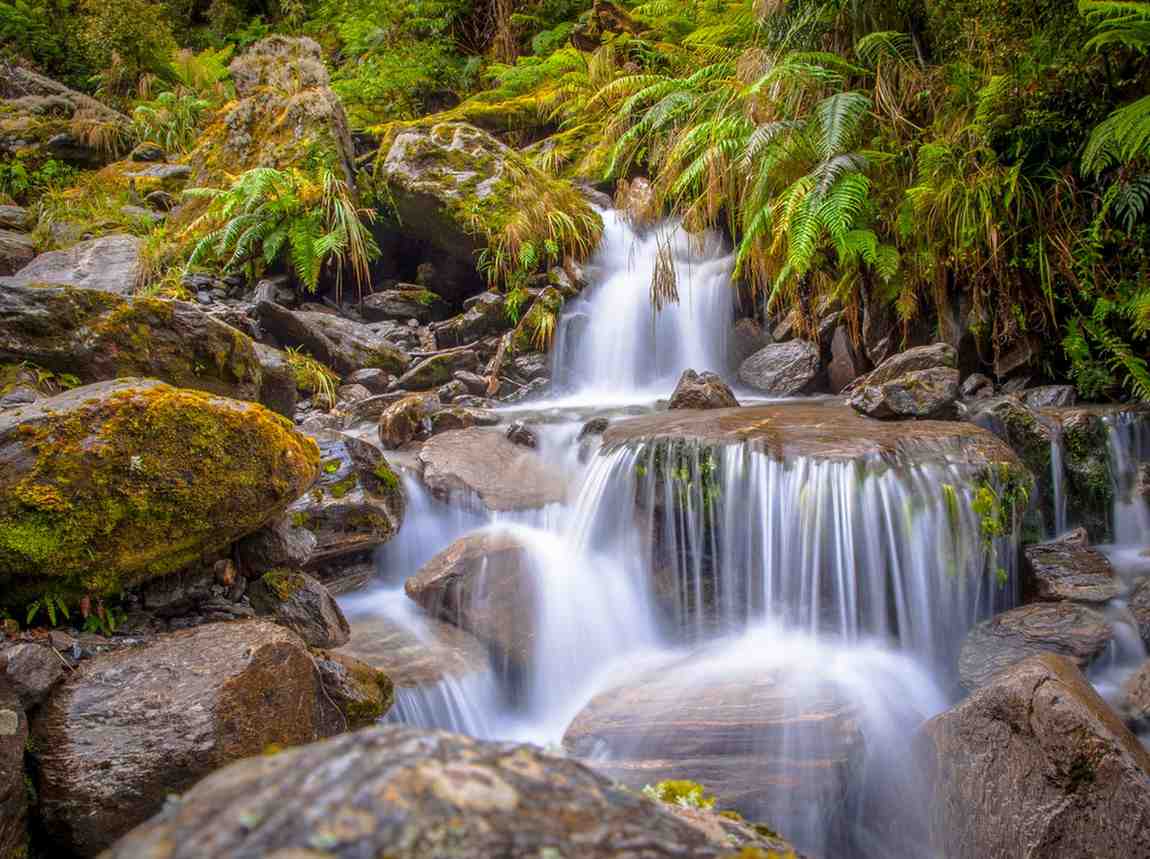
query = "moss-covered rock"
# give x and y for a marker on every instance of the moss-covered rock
(437, 370)
(95, 336)
(362, 693)
(284, 114)
(297, 601)
(111, 484)
(537, 328)
(1089, 483)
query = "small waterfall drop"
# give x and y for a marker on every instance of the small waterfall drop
(631, 348)
(1128, 436)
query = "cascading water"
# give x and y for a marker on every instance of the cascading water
(849, 577)
(631, 349)
(1128, 437)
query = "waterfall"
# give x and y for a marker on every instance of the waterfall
(1128, 438)
(631, 348)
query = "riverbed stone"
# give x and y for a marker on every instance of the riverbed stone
(1138, 604)
(1070, 570)
(108, 485)
(783, 369)
(1073, 631)
(918, 383)
(13, 791)
(407, 419)
(1036, 764)
(484, 317)
(701, 391)
(363, 694)
(108, 264)
(440, 651)
(17, 250)
(484, 464)
(436, 370)
(1046, 396)
(130, 727)
(726, 730)
(31, 670)
(482, 583)
(283, 542)
(406, 301)
(976, 386)
(342, 344)
(408, 793)
(298, 602)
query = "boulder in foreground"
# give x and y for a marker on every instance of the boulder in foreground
(1036, 764)
(406, 793)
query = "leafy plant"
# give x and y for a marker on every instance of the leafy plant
(170, 120)
(51, 604)
(313, 376)
(267, 216)
(681, 792)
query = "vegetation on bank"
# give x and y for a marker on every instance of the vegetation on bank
(984, 161)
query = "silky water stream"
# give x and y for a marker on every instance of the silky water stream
(772, 612)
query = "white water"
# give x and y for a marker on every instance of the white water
(631, 352)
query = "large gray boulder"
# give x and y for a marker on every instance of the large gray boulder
(406, 301)
(1035, 765)
(133, 726)
(342, 344)
(109, 264)
(407, 793)
(783, 369)
(1073, 631)
(919, 383)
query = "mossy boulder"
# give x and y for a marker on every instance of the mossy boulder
(284, 114)
(297, 601)
(112, 484)
(356, 505)
(95, 335)
(362, 693)
(131, 727)
(1089, 484)
(437, 370)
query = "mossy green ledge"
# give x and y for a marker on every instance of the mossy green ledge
(112, 484)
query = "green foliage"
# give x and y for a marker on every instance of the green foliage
(170, 120)
(681, 792)
(313, 377)
(51, 604)
(268, 216)
(21, 182)
(127, 40)
(47, 32)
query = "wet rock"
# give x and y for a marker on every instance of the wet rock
(108, 264)
(298, 602)
(284, 112)
(375, 380)
(847, 363)
(458, 417)
(436, 370)
(1050, 395)
(783, 369)
(349, 394)
(98, 336)
(1022, 355)
(976, 386)
(701, 391)
(595, 426)
(484, 463)
(13, 793)
(363, 694)
(280, 543)
(451, 391)
(475, 383)
(1066, 629)
(205, 468)
(485, 317)
(919, 383)
(1139, 605)
(342, 344)
(356, 504)
(179, 594)
(1070, 570)
(727, 730)
(164, 715)
(521, 434)
(531, 366)
(747, 338)
(407, 301)
(1036, 764)
(440, 651)
(147, 152)
(31, 670)
(16, 251)
(1089, 485)
(879, 331)
(395, 790)
(404, 421)
(483, 584)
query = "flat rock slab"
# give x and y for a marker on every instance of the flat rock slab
(822, 430)
(1064, 571)
(1067, 629)
(108, 264)
(439, 652)
(406, 793)
(504, 475)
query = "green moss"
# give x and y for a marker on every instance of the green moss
(140, 484)
(283, 583)
(332, 466)
(386, 477)
(343, 487)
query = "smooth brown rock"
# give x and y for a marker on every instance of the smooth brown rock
(298, 602)
(701, 391)
(482, 583)
(130, 727)
(17, 250)
(1063, 570)
(362, 693)
(1066, 629)
(847, 362)
(483, 462)
(918, 383)
(759, 745)
(403, 421)
(406, 793)
(1037, 765)
(31, 670)
(1139, 605)
(13, 793)
(412, 660)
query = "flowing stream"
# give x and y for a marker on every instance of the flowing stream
(815, 601)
